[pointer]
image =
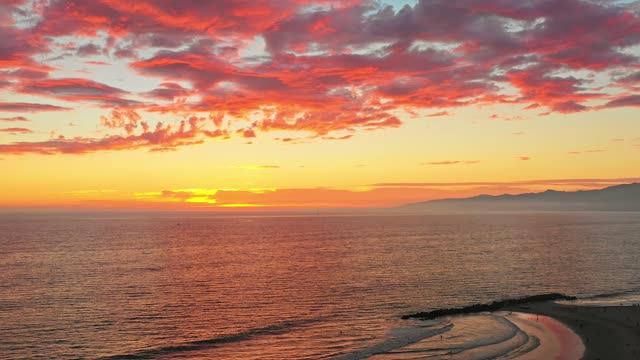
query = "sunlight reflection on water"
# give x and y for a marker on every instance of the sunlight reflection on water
(160, 285)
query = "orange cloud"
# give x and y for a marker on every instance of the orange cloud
(162, 138)
(16, 130)
(585, 152)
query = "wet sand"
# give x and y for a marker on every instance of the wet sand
(608, 332)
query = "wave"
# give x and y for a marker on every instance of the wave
(611, 294)
(401, 338)
(512, 332)
(618, 298)
(487, 307)
(204, 344)
(473, 337)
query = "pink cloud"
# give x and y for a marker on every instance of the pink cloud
(336, 67)
(168, 91)
(78, 90)
(126, 119)
(622, 101)
(88, 50)
(29, 107)
(14, 119)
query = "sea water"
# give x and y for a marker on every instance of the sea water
(197, 285)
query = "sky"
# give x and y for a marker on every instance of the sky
(278, 104)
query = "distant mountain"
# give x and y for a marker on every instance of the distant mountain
(624, 197)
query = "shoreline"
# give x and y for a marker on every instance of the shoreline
(607, 332)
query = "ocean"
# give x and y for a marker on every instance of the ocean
(196, 285)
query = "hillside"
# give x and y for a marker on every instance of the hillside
(624, 197)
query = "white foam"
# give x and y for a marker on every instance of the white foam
(480, 336)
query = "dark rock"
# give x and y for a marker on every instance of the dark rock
(494, 306)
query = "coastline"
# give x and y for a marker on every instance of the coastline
(608, 332)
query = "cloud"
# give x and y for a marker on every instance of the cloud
(16, 130)
(98, 63)
(506, 118)
(126, 119)
(630, 100)
(437, 114)
(344, 137)
(585, 152)
(29, 107)
(256, 167)
(568, 107)
(524, 158)
(168, 91)
(248, 133)
(14, 119)
(590, 182)
(451, 162)
(630, 78)
(19, 45)
(88, 50)
(162, 138)
(321, 69)
(166, 19)
(78, 90)
(560, 94)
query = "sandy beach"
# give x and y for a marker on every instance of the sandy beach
(608, 332)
